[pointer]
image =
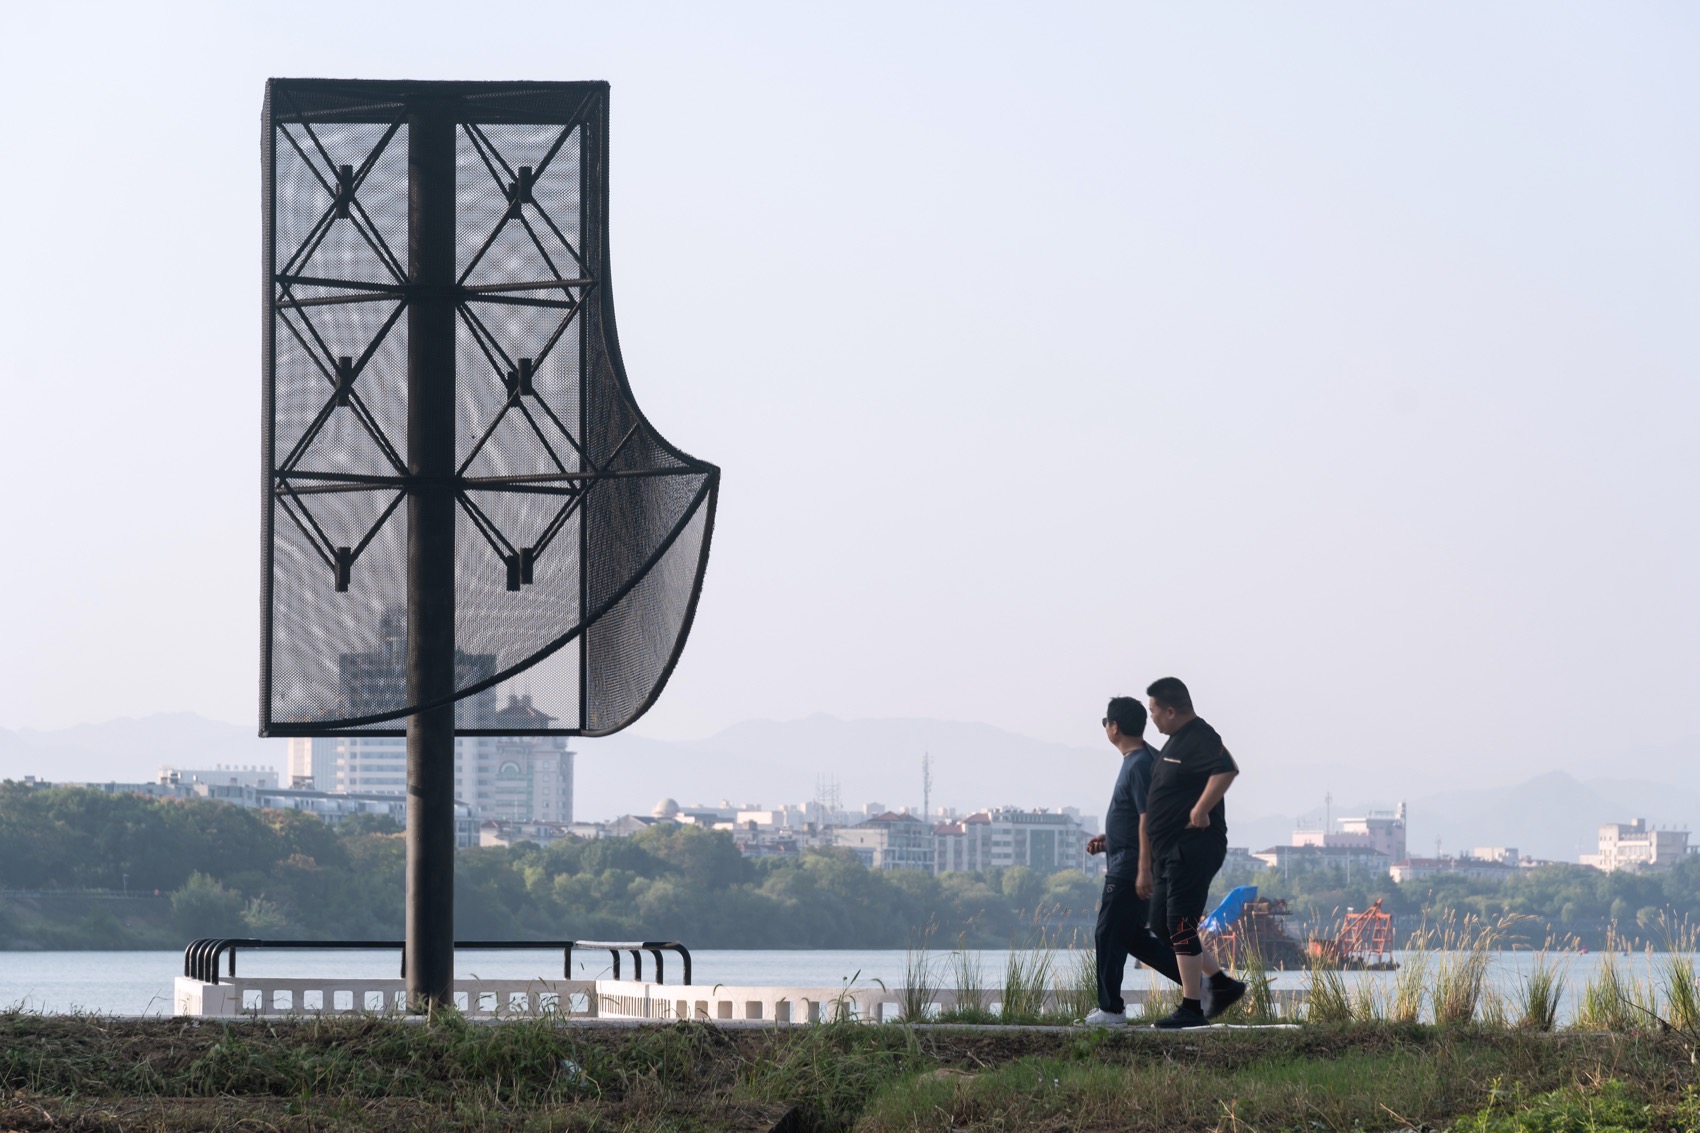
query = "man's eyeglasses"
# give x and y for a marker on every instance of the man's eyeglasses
(1105, 722)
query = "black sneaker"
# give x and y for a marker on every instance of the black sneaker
(1182, 1018)
(1218, 999)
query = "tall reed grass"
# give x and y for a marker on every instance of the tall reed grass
(1258, 1003)
(1613, 1000)
(1605, 1000)
(1682, 993)
(1372, 1002)
(1077, 995)
(1446, 970)
(920, 991)
(1540, 994)
(972, 1001)
(1327, 1000)
(1462, 956)
(1680, 986)
(1026, 980)
(1495, 1011)
(1410, 987)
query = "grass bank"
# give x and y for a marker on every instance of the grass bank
(90, 1073)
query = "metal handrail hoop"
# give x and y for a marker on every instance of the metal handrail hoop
(201, 957)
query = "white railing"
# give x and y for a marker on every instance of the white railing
(722, 1003)
(270, 997)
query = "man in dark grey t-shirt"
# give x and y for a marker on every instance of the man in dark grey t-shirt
(1123, 916)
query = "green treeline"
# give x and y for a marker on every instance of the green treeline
(1553, 905)
(222, 870)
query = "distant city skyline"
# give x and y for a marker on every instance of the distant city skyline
(931, 839)
(772, 763)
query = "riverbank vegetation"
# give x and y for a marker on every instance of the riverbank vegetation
(84, 869)
(1560, 901)
(87, 1073)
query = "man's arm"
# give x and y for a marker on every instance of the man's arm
(1214, 789)
(1142, 884)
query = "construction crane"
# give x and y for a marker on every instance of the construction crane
(1244, 925)
(1364, 942)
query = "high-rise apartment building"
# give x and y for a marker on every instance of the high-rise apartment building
(890, 841)
(524, 778)
(1048, 841)
(221, 774)
(1635, 846)
(1379, 832)
(510, 778)
(506, 778)
(372, 682)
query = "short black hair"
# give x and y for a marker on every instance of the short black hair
(1127, 714)
(1170, 693)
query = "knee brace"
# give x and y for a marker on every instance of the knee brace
(1183, 936)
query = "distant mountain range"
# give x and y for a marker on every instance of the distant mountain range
(131, 749)
(769, 762)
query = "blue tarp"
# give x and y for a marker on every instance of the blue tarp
(1230, 909)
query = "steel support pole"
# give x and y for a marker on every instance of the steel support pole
(430, 554)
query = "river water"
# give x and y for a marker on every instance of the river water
(140, 983)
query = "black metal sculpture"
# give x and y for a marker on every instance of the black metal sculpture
(439, 333)
(577, 525)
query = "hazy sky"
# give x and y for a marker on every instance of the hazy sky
(1340, 359)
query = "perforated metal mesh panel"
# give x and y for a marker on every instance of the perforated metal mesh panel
(581, 535)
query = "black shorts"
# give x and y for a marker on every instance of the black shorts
(1181, 878)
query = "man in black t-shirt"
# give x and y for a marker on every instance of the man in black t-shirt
(1124, 919)
(1184, 839)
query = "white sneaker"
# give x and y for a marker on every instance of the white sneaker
(1098, 1017)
